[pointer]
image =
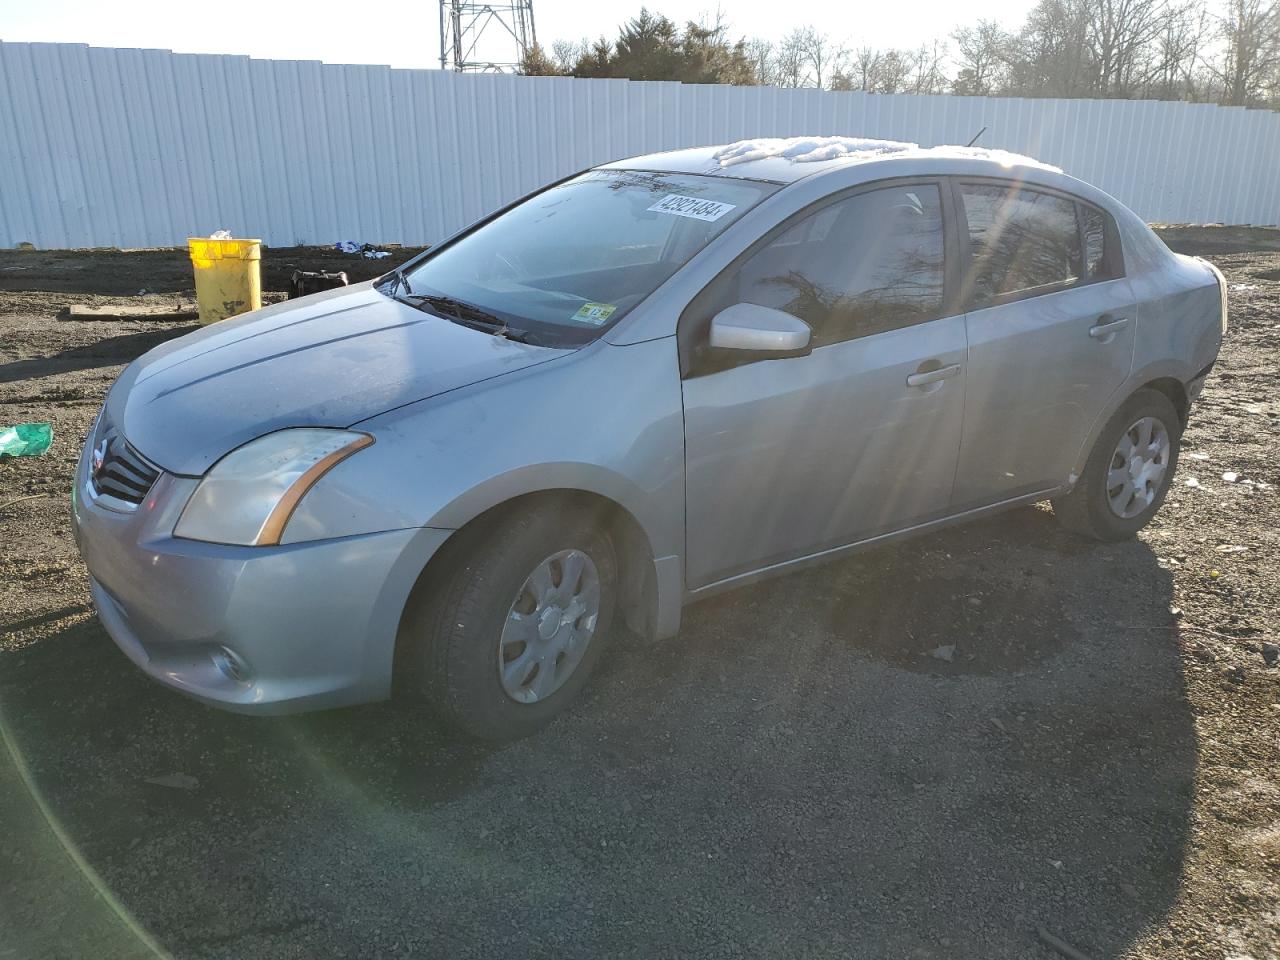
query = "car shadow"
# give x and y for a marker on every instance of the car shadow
(806, 770)
(107, 352)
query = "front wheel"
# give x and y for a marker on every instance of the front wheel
(506, 639)
(1129, 471)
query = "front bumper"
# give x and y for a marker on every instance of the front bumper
(250, 629)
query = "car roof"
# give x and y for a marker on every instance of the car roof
(812, 168)
(786, 160)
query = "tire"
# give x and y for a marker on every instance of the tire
(453, 633)
(1087, 509)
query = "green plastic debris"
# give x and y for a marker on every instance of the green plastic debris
(26, 440)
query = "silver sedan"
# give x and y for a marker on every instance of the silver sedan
(647, 383)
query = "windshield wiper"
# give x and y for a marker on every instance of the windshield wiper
(469, 315)
(398, 280)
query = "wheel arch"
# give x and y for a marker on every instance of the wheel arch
(638, 586)
(1176, 391)
(1168, 378)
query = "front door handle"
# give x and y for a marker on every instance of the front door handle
(932, 376)
(1106, 326)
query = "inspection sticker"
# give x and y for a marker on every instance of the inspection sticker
(594, 313)
(679, 206)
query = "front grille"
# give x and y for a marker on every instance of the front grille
(124, 473)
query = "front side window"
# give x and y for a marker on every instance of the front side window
(1020, 239)
(571, 261)
(859, 266)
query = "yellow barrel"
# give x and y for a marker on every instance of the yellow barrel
(228, 280)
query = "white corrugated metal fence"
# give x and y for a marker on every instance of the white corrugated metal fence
(122, 147)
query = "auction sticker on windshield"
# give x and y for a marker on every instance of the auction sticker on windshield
(676, 205)
(594, 313)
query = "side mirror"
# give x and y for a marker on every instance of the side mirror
(749, 326)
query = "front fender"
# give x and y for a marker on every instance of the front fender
(605, 420)
(540, 477)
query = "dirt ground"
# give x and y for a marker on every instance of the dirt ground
(792, 776)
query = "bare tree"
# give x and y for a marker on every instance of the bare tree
(924, 67)
(821, 57)
(803, 58)
(877, 71)
(1166, 49)
(1175, 72)
(764, 61)
(893, 73)
(1048, 57)
(565, 54)
(1118, 32)
(890, 72)
(982, 56)
(1250, 65)
(863, 68)
(788, 61)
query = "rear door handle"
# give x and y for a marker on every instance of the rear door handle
(932, 376)
(1106, 326)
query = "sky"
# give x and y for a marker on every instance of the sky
(402, 33)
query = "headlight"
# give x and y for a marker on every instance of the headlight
(249, 495)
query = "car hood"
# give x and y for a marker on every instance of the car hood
(331, 360)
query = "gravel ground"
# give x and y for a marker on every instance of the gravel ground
(792, 776)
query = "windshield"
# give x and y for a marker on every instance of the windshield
(571, 261)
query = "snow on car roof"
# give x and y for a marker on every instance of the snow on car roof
(1005, 158)
(785, 159)
(818, 149)
(807, 149)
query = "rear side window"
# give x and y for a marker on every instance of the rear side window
(870, 263)
(1021, 240)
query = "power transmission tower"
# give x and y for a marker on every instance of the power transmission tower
(506, 29)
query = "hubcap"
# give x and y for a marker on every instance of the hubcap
(549, 626)
(1138, 468)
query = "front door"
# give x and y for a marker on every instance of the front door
(1051, 337)
(788, 457)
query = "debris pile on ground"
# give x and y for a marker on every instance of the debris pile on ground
(367, 250)
(25, 439)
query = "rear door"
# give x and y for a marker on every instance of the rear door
(1050, 329)
(787, 457)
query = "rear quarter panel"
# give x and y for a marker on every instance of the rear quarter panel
(1179, 318)
(1178, 307)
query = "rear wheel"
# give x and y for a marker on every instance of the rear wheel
(1129, 471)
(510, 634)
